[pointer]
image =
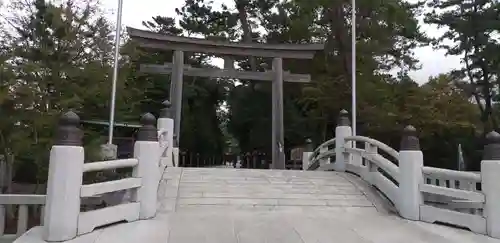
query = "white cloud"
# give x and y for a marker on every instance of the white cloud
(433, 62)
(136, 11)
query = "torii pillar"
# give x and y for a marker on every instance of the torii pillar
(176, 91)
(278, 138)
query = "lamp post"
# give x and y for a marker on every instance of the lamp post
(115, 71)
(353, 67)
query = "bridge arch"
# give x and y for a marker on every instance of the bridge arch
(418, 192)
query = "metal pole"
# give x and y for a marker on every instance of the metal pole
(353, 67)
(115, 71)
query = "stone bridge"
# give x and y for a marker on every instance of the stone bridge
(215, 205)
(375, 195)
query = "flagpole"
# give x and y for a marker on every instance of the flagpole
(115, 71)
(353, 67)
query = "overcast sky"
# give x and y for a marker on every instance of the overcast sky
(135, 11)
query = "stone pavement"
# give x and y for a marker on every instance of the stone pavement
(213, 205)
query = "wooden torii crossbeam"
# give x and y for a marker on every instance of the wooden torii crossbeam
(167, 68)
(177, 69)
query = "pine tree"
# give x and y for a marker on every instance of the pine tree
(472, 33)
(59, 56)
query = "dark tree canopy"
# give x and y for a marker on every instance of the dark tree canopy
(59, 57)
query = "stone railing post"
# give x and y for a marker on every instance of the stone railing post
(342, 130)
(323, 161)
(308, 150)
(147, 152)
(166, 123)
(175, 152)
(411, 163)
(62, 205)
(490, 169)
(368, 168)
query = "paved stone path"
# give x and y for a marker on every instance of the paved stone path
(214, 205)
(262, 189)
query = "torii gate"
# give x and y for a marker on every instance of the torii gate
(148, 39)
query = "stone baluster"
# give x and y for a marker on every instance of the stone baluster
(166, 124)
(342, 131)
(62, 205)
(490, 169)
(146, 151)
(308, 150)
(411, 163)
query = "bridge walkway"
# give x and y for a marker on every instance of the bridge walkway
(214, 205)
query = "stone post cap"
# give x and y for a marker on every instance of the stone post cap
(343, 119)
(492, 147)
(147, 132)
(410, 141)
(309, 145)
(68, 132)
(166, 112)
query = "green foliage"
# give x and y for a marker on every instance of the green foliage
(58, 59)
(472, 33)
(388, 31)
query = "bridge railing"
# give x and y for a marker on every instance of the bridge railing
(453, 197)
(88, 221)
(60, 211)
(63, 218)
(28, 211)
(22, 204)
(465, 199)
(459, 180)
(314, 159)
(372, 166)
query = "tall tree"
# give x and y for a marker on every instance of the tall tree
(59, 58)
(388, 32)
(472, 33)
